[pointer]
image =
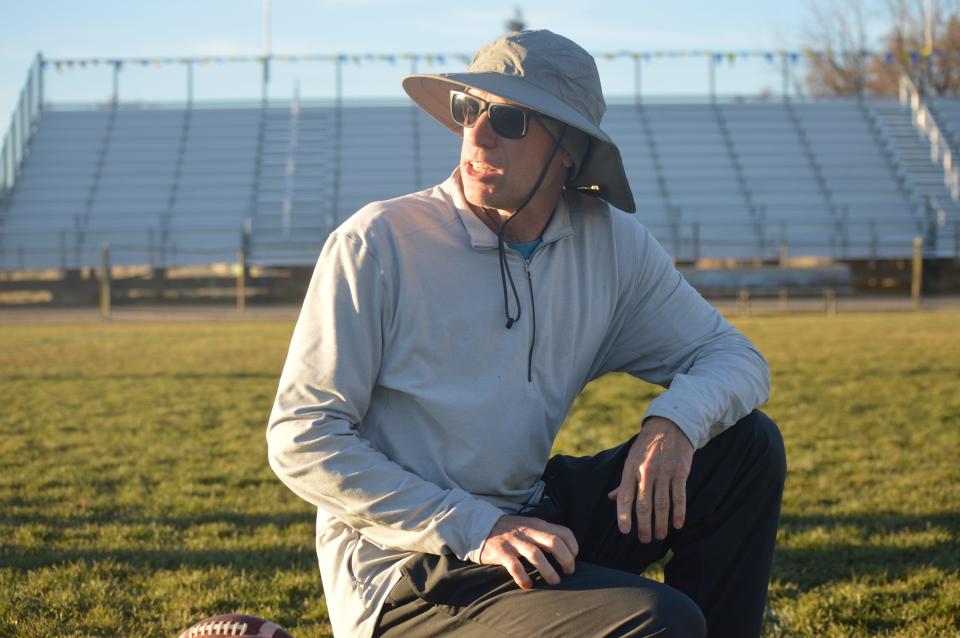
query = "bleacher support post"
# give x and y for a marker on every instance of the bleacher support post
(105, 281)
(265, 80)
(783, 300)
(713, 77)
(637, 77)
(956, 239)
(696, 242)
(151, 258)
(116, 83)
(916, 285)
(40, 79)
(189, 84)
(415, 130)
(63, 254)
(785, 70)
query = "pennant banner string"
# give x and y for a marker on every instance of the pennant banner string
(794, 56)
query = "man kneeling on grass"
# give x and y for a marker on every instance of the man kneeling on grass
(445, 335)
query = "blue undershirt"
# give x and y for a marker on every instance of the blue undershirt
(525, 248)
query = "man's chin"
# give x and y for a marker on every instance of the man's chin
(483, 196)
(482, 200)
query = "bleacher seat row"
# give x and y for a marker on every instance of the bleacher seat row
(173, 186)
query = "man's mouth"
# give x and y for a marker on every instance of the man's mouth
(479, 169)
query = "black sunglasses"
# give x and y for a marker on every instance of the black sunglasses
(507, 120)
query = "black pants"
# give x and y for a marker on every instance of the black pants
(716, 578)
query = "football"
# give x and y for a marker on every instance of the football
(236, 625)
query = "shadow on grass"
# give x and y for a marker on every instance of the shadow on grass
(828, 561)
(260, 559)
(276, 556)
(125, 517)
(83, 375)
(825, 561)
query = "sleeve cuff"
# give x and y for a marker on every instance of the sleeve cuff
(484, 524)
(686, 418)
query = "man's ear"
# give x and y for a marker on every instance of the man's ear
(565, 158)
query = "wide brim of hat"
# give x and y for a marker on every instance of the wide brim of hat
(602, 167)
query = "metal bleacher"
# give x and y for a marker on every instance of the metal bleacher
(169, 185)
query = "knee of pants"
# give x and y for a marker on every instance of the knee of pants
(769, 443)
(678, 616)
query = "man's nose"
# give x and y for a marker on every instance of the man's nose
(481, 133)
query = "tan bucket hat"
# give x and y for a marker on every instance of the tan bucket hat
(547, 73)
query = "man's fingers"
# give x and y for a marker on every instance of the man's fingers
(567, 536)
(644, 507)
(517, 571)
(524, 537)
(661, 507)
(679, 489)
(536, 558)
(558, 546)
(625, 498)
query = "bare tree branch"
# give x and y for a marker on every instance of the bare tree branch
(839, 29)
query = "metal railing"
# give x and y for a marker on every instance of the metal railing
(22, 124)
(689, 242)
(940, 151)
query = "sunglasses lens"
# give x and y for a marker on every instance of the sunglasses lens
(464, 109)
(508, 121)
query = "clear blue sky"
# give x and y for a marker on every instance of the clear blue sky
(144, 28)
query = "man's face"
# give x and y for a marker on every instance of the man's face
(498, 172)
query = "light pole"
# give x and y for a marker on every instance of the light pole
(266, 49)
(266, 28)
(928, 48)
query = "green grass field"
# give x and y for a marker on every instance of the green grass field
(135, 496)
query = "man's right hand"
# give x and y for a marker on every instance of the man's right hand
(516, 537)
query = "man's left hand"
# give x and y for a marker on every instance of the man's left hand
(654, 475)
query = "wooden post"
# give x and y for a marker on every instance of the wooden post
(743, 302)
(917, 284)
(830, 301)
(105, 281)
(242, 281)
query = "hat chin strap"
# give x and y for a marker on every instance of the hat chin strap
(505, 273)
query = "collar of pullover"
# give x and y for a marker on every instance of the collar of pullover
(482, 237)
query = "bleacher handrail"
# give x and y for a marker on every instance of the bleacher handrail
(923, 119)
(22, 124)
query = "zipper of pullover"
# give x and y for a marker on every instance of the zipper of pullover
(533, 320)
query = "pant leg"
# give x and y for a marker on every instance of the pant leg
(443, 596)
(722, 555)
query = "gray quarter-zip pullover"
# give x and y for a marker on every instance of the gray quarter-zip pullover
(413, 419)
